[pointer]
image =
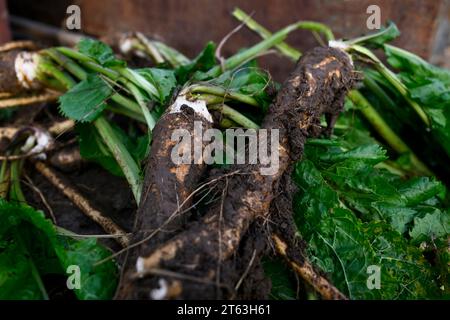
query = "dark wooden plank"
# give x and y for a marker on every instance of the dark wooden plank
(5, 35)
(188, 24)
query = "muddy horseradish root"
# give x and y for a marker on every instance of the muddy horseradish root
(198, 261)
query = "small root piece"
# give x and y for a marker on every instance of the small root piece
(306, 271)
(48, 96)
(16, 45)
(60, 127)
(30, 183)
(83, 204)
(56, 129)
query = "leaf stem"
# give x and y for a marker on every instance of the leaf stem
(283, 47)
(366, 108)
(16, 193)
(385, 131)
(48, 68)
(151, 121)
(392, 78)
(234, 115)
(122, 156)
(276, 38)
(219, 91)
(4, 180)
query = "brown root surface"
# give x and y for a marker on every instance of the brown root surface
(209, 257)
(8, 79)
(167, 194)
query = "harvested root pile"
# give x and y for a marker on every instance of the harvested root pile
(228, 185)
(189, 265)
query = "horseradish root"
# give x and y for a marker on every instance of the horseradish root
(316, 87)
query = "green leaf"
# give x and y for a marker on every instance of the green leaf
(85, 101)
(379, 38)
(92, 147)
(431, 226)
(164, 80)
(100, 52)
(249, 80)
(420, 189)
(97, 281)
(370, 153)
(428, 85)
(353, 215)
(202, 63)
(30, 248)
(282, 280)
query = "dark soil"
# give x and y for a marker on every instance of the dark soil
(108, 193)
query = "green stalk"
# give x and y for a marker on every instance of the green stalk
(384, 130)
(219, 91)
(283, 47)
(48, 68)
(81, 74)
(128, 113)
(4, 180)
(89, 63)
(49, 82)
(393, 80)
(151, 121)
(16, 193)
(234, 115)
(366, 108)
(277, 38)
(120, 153)
(150, 48)
(391, 167)
(139, 81)
(66, 63)
(372, 85)
(171, 55)
(209, 99)
(122, 156)
(226, 123)
(126, 103)
(74, 54)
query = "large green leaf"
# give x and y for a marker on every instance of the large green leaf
(353, 216)
(93, 148)
(428, 85)
(163, 79)
(202, 63)
(31, 248)
(86, 100)
(100, 52)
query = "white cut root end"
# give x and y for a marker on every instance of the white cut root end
(140, 268)
(339, 44)
(199, 107)
(161, 292)
(37, 144)
(128, 44)
(26, 65)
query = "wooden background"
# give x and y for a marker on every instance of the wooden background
(189, 24)
(4, 27)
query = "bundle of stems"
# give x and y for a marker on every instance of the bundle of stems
(61, 68)
(366, 109)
